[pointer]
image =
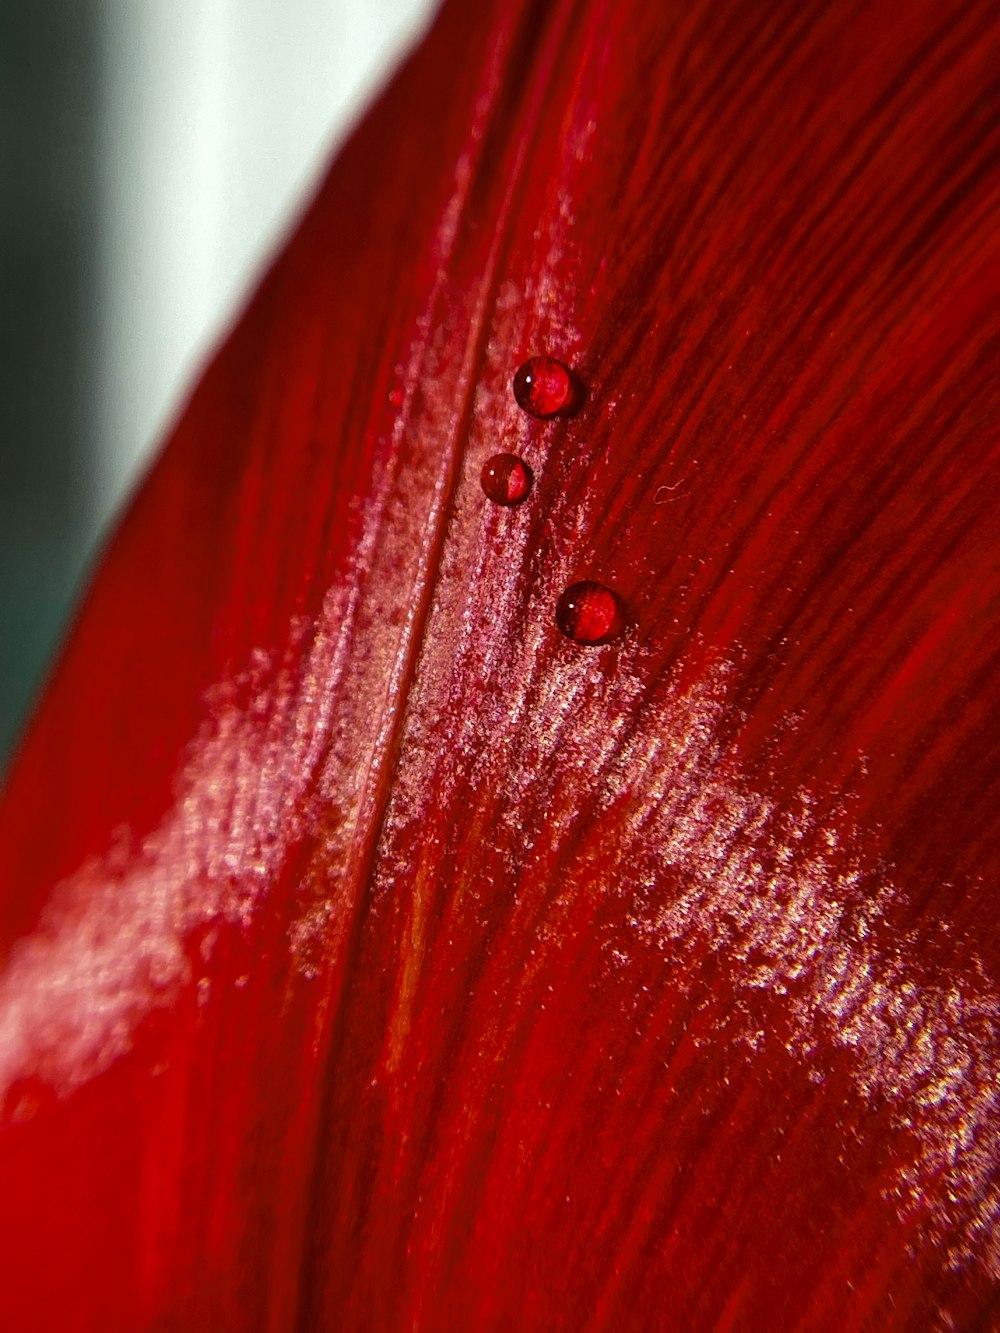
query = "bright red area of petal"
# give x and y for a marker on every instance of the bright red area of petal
(377, 958)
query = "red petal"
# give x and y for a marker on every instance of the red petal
(376, 957)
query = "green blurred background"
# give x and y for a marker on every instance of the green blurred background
(152, 152)
(49, 215)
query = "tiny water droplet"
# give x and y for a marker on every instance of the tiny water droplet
(545, 387)
(589, 612)
(506, 479)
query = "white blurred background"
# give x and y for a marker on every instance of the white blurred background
(152, 153)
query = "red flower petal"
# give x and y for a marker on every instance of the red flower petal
(376, 957)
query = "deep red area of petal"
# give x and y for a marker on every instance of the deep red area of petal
(376, 957)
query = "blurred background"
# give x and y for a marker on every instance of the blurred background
(152, 154)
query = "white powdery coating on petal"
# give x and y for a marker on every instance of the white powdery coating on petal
(119, 938)
(788, 895)
(708, 863)
(762, 884)
(292, 748)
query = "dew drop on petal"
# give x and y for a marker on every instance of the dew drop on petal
(506, 479)
(544, 387)
(589, 612)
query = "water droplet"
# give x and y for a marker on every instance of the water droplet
(506, 479)
(545, 387)
(589, 612)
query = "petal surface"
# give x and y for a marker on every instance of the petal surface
(377, 957)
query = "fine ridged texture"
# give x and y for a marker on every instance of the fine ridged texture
(376, 957)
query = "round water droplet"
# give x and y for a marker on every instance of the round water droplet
(589, 612)
(545, 387)
(506, 479)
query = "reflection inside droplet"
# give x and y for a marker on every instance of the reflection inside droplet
(506, 479)
(588, 612)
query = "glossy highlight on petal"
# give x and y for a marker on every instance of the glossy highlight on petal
(371, 956)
